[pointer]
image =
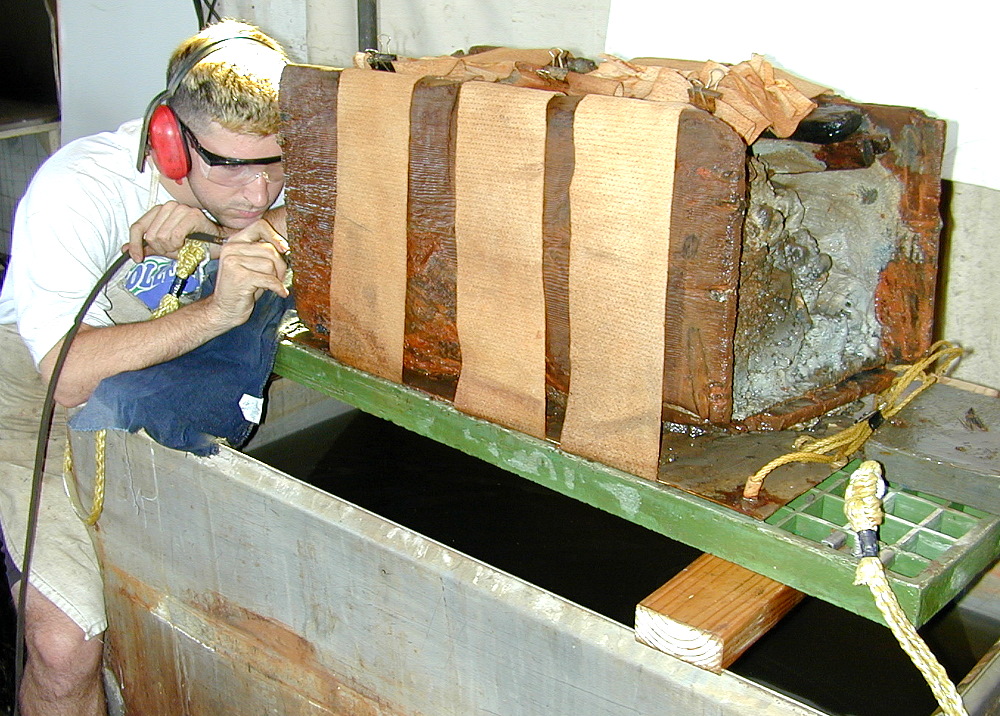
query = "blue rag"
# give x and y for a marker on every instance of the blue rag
(188, 403)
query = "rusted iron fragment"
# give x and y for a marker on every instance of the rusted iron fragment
(839, 267)
(709, 202)
(432, 356)
(789, 157)
(821, 401)
(309, 142)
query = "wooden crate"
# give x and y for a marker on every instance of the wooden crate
(791, 274)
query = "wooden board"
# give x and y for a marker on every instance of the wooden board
(309, 139)
(712, 612)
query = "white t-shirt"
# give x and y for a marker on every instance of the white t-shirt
(69, 228)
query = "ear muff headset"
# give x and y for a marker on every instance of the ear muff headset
(161, 128)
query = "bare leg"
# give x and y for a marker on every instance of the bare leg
(63, 670)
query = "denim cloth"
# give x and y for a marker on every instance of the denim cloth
(189, 402)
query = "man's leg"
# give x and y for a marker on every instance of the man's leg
(63, 670)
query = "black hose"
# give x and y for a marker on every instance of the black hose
(41, 446)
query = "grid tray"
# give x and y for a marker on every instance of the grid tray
(919, 535)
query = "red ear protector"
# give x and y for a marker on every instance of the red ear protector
(166, 139)
(161, 129)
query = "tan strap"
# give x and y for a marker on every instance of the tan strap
(620, 203)
(499, 185)
(368, 264)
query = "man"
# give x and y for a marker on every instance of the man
(88, 203)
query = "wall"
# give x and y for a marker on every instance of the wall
(428, 28)
(971, 275)
(114, 58)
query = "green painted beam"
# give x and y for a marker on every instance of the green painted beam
(807, 566)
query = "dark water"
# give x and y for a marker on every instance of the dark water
(823, 655)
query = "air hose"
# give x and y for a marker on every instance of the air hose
(45, 426)
(191, 254)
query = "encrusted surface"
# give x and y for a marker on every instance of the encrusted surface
(813, 249)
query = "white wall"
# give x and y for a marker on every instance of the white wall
(114, 58)
(971, 276)
(329, 27)
(922, 54)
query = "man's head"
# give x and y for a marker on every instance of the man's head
(223, 118)
(235, 86)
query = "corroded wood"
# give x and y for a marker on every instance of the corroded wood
(309, 143)
(710, 344)
(706, 228)
(712, 612)
(559, 163)
(821, 401)
(432, 356)
(905, 299)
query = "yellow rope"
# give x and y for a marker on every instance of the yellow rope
(69, 473)
(838, 448)
(864, 512)
(191, 254)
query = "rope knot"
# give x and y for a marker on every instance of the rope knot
(869, 571)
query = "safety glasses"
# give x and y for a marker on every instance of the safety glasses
(229, 171)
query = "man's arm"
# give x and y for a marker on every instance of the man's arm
(250, 263)
(161, 231)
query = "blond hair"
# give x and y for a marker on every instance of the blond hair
(235, 85)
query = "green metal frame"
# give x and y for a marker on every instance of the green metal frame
(767, 549)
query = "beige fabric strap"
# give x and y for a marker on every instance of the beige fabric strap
(499, 181)
(368, 264)
(620, 200)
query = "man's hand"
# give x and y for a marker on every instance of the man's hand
(161, 230)
(251, 263)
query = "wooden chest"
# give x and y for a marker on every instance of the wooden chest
(600, 270)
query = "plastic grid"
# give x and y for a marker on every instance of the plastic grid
(917, 529)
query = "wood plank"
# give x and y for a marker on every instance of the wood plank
(432, 365)
(309, 135)
(706, 227)
(712, 612)
(908, 321)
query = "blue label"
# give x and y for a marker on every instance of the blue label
(150, 280)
